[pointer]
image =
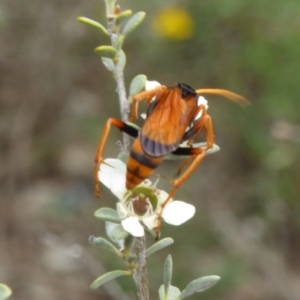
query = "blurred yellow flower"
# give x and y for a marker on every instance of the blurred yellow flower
(174, 23)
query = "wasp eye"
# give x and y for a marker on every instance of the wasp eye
(186, 90)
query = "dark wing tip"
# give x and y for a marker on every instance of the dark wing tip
(155, 148)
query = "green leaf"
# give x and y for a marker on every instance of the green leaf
(129, 243)
(122, 58)
(123, 156)
(214, 149)
(94, 24)
(116, 233)
(137, 84)
(173, 293)
(133, 22)
(104, 244)
(122, 16)
(133, 125)
(108, 64)
(106, 51)
(5, 291)
(168, 271)
(199, 285)
(159, 245)
(107, 214)
(109, 276)
(120, 41)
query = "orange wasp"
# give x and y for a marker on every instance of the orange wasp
(172, 118)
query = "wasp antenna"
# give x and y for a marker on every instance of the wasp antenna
(227, 94)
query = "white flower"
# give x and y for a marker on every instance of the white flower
(201, 101)
(143, 203)
(151, 85)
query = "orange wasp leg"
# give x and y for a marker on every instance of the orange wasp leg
(179, 181)
(146, 95)
(99, 159)
(203, 124)
(200, 125)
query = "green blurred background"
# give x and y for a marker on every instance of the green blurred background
(55, 96)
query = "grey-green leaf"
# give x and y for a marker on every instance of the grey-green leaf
(122, 16)
(173, 293)
(104, 244)
(94, 24)
(159, 245)
(107, 214)
(137, 84)
(123, 157)
(109, 64)
(133, 125)
(110, 228)
(118, 233)
(133, 22)
(168, 271)
(122, 59)
(5, 291)
(109, 276)
(199, 285)
(106, 51)
(119, 42)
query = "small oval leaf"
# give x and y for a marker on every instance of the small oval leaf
(120, 41)
(118, 234)
(123, 156)
(109, 228)
(122, 59)
(122, 16)
(94, 24)
(199, 285)
(133, 22)
(168, 271)
(107, 214)
(133, 125)
(104, 244)
(106, 51)
(173, 294)
(109, 276)
(159, 245)
(137, 84)
(5, 291)
(108, 64)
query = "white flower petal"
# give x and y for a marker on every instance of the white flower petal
(150, 85)
(122, 211)
(178, 212)
(162, 196)
(199, 115)
(113, 176)
(133, 226)
(151, 221)
(202, 100)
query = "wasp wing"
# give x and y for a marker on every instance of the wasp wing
(162, 130)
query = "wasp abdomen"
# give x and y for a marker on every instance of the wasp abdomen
(140, 165)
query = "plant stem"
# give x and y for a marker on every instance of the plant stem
(119, 76)
(140, 275)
